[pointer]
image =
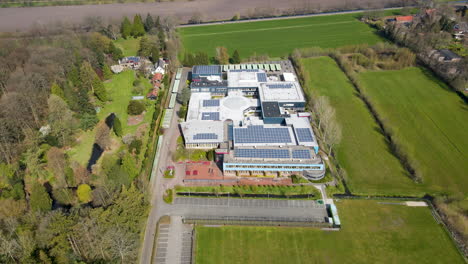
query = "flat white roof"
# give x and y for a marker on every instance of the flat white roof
(289, 77)
(201, 131)
(231, 107)
(243, 78)
(281, 92)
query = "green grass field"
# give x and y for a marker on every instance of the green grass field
(429, 119)
(279, 37)
(120, 90)
(371, 233)
(129, 46)
(363, 152)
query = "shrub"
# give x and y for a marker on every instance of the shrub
(136, 82)
(135, 146)
(135, 107)
(169, 196)
(84, 193)
(117, 127)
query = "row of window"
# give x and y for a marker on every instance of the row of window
(308, 167)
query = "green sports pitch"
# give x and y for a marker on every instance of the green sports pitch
(372, 232)
(277, 38)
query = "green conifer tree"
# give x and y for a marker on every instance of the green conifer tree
(126, 28)
(138, 29)
(117, 127)
(236, 57)
(149, 23)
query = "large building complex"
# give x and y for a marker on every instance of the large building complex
(253, 115)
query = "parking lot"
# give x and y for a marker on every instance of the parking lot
(174, 243)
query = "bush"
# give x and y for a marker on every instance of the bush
(135, 107)
(169, 196)
(210, 155)
(182, 112)
(135, 146)
(117, 127)
(136, 82)
(84, 193)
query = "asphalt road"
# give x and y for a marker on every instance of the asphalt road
(158, 186)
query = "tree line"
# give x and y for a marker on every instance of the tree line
(202, 58)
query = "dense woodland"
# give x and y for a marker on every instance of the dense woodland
(53, 210)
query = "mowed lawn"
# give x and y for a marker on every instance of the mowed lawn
(427, 118)
(363, 152)
(371, 233)
(129, 46)
(279, 37)
(119, 89)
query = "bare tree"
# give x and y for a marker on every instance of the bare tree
(222, 55)
(323, 110)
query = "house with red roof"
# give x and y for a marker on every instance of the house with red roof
(153, 95)
(404, 19)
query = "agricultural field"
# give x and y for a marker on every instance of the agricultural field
(363, 152)
(428, 120)
(119, 89)
(279, 37)
(372, 233)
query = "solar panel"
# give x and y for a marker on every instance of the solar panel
(304, 135)
(301, 154)
(200, 136)
(245, 70)
(209, 103)
(280, 86)
(207, 69)
(260, 134)
(210, 116)
(261, 77)
(262, 153)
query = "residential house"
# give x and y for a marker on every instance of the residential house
(156, 80)
(460, 30)
(445, 55)
(153, 95)
(160, 66)
(131, 62)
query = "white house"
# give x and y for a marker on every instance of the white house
(160, 67)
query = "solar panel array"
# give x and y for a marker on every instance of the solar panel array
(201, 136)
(245, 70)
(210, 116)
(207, 69)
(208, 103)
(262, 153)
(304, 135)
(260, 134)
(301, 154)
(280, 85)
(262, 77)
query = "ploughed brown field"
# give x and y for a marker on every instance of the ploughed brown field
(13, 19)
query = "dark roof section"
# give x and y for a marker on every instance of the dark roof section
(204, 82)
(271, 109)
(206, 69)
(448, 54)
